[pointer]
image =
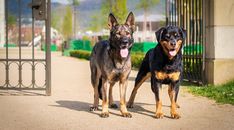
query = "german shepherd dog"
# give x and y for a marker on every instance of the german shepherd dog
(163, 64)
(110, 62)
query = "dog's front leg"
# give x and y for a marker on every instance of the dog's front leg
(105, 102)
(173, 90)
(111, 100)
(157, 89)
(123, 108)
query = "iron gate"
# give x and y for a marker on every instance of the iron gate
(189, 14)
(23, 66)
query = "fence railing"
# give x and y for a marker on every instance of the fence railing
(189, 14)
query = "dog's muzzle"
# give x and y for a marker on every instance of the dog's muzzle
(125, 44)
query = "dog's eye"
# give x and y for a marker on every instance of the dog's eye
(175, 34)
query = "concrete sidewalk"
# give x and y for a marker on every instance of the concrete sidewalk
(72, 94)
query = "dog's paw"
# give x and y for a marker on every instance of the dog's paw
(127, 114)
(159, 115)
(175, 115)
(130, 105)
(93, 108)
(104, 114)
(115, 106)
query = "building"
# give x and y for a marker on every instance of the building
(153, 22)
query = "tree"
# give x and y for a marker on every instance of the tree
(117, 7)
(74, 4)
(67, 23)
(146, 5)
(11, 20)
(96, 23)
(120, 10)
(55, 21)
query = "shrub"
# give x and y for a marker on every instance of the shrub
(136, 59)
(80, 54)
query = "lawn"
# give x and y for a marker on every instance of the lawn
(220, 93)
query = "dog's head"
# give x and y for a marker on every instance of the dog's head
(171, 39)
(121, 35)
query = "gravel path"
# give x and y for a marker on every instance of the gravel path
(72, 94)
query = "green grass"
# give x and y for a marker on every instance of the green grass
(221, 93)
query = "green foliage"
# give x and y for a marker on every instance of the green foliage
(74, 2)
(55, 20)
(67, 23)
(120, 10)
(80, 54)
(136, 59)
(221, 93)
(97, 22)
(11, 20)
(146, 4)
(100, 19)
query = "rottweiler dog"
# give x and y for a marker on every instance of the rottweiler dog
(163, 64)
(110, 62)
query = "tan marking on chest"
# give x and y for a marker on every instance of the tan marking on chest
(173, 76)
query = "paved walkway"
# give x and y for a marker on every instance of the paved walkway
(72, 94)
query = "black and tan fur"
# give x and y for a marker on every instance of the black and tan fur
(108, 65)
(163, 64)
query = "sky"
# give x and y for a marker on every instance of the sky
(60, 1)
(63, 1)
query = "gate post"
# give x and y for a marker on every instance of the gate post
(48, 52)
(219, 41)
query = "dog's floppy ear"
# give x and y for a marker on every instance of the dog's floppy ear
(112, 21)
(130, 21)
(159, 33)
(183, 32)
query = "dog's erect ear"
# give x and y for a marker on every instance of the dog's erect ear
(112, 21)
(159, 33)
(130, 21)
(183, 32)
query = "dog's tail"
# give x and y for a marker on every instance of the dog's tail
(100, 88)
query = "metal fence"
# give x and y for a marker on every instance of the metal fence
(22, 65)
(189, 14)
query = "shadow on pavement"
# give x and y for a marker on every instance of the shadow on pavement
(21, 93)
(139, 109)
(78, 106)
(83, 106)
(74, 105)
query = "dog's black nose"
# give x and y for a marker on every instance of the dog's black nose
(173, 44)
(125, 41)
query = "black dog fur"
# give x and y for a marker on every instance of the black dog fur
(163, 64)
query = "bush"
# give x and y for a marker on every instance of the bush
(136, 58)
(80, 54)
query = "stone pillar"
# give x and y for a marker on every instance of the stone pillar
(2, 23)
(219, 63)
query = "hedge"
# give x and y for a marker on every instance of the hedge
(136, 58)
(80, 54)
